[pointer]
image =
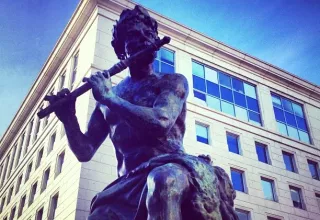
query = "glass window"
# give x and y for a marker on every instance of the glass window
(268, 189)
(225, 93)
(241, 113)
(261, 150)
(296, 197)
(33, 193)
(243, 214)
(39, 214)
(39, 158)
(202, 134)
(51, 142)
(227, 108)
(164, 62)
(237, 180)
(45, 179)
(29, 169)
(60, 163)
(211, 75)
(10, 195)
(74, 70)
(2, 204)
(224, 80)
(233, 143)
(213, 103)
(19, 181)
(237, 85)
(21, 206)
(53, 207)
(13, 213)
(250, 91)
(290, 118)
(288, 161)
(314, 169)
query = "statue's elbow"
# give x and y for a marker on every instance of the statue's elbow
(84, 158)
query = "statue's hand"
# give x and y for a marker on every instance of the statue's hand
(65, 111)
(101, 86)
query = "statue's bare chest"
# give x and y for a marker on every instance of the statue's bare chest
(141, 93)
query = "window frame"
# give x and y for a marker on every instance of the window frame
(266, 148)
(273, 188)
(207, 127)
(292, 161)
(273, 94)
(228, 133)
(52, 211)
(243, 211)
(317, 169)
(299, 190)
(58, 167)
(244, 183)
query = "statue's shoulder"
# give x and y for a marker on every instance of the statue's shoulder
(173, 78)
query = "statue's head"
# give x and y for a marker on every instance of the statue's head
(133, 32)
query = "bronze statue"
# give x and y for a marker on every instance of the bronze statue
(144, 115)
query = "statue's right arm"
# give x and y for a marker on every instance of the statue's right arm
(85, 145)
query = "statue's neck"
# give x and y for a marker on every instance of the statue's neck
(138, 72)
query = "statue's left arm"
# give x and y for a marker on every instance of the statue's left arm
(159, 119)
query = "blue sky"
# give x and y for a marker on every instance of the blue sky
(285, 33)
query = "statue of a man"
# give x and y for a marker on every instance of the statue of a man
(144, 115)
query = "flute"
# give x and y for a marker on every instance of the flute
(117, 68)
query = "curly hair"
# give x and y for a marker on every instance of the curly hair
(128, 18)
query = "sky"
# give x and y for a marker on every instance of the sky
(285, 33)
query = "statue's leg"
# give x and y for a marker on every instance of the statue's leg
(167, 187)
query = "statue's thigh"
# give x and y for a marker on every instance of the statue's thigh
(169, 180)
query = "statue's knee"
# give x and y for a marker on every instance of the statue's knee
(169, 180)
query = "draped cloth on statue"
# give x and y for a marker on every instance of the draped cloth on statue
(211, 194)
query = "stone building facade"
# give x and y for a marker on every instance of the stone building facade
(258, 122)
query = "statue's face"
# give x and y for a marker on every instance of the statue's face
(138, 37)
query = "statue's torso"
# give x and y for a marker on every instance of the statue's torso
(135, 145)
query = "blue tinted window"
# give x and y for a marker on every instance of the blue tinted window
(164, 62)
(290, 119)
(213, 103)
(167, 56)
(242, 214)
(225, 80)
(197, 69)
(301, 123)
(213, 89)
(166, 68)
(291, 116)
(287, 105)
(279, 114)
(240, 99)
(296, 197)
(268, 189)
(237, 85)
(227, 108)
(199, 83)
(226, 94)
(254, 118)
(262, 153)
(288, 161)
(202, 134)
(199, 95)
(314, 169)
(233, 144)
(237, 180)
(252, 104)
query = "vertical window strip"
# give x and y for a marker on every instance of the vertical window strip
(290, 118)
